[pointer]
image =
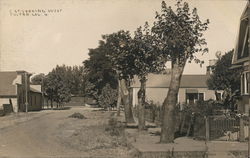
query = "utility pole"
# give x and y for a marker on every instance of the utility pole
(26, 92)
(42, 89)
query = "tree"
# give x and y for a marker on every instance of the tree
(99, 71)
(179, 33)
(108, 97)
(226, 79)
(76, 79)
(57, 85)
(146, 60)
(122, 60)
(38, 79)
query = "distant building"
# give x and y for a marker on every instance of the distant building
(36, 98)
(15, 91)
(241, 59)
(192, 88)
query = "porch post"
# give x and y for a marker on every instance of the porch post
(241, 134)
(207, 127)
(248, 81)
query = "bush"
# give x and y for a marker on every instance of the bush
(78, 116)
(203, 108)
(115, 128)
(108, 97)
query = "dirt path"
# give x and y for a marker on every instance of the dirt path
(57, 135)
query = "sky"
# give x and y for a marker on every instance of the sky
(38, 43)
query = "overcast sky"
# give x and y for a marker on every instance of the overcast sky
(37, 44)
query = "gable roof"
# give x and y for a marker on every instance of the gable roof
(7, 85)
(36, 88)
(163, 81)
(241, 51)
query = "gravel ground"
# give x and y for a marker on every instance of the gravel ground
(52, 133)
(90, 135)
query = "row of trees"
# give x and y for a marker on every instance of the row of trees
(61, 83)
(176, 35)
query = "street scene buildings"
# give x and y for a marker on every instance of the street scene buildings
(142, 79)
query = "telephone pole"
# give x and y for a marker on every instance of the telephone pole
(26, 92)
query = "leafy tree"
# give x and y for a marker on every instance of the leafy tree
(179, 33)
(76, 78)
(90, 90)
(38, 79)
(118, 47)
(57, 85)
(99, 71)
(62, 82)
(226, 79)
(146, 60)
(108, 97)
(49, 87)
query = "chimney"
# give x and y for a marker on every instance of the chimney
(211, 66)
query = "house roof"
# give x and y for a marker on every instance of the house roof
(163, 81)
(36, 88)
(7, 83)
(241, 51)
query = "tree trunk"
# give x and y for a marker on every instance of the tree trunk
(141, 104)
(51, 103)
(127, 107)
(47, 100)
(169, 104)
(119, 98)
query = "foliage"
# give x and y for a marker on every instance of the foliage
(180, 33)
(223, 77)
(202, 108)
(99, 71)
(90, 90)
(64, 81)
(78, 116)
(57, 85)
(226, 79)
(38, 79)
(76, 79)
(122, 60)
(119, 53)
(108, 96)
(147, 58)
(115, 128)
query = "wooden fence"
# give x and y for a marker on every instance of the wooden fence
(210, 128)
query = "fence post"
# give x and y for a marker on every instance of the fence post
(241, 135)
(207, 127)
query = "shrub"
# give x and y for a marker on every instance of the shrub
(78, 115)
(108, 97)
(115, 127)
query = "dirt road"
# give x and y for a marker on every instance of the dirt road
(54, 134)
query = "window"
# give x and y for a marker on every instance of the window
(244, 83)
(201, 96)
(191, 98)
(219, 95)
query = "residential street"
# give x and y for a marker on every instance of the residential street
(51, 133)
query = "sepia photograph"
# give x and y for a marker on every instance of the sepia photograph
(124, 79)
